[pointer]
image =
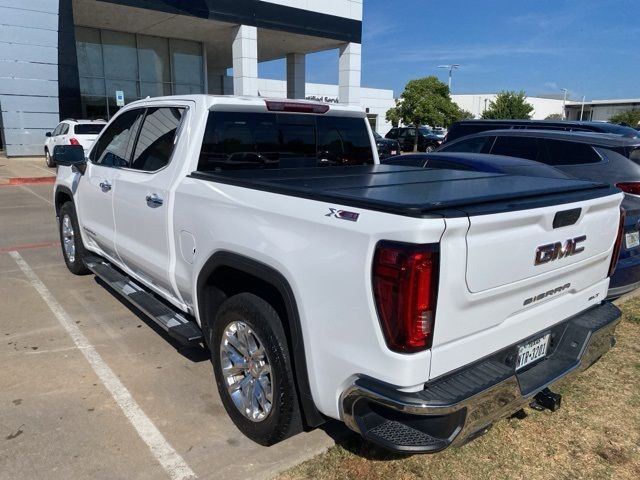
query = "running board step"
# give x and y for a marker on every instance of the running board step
(175, 323)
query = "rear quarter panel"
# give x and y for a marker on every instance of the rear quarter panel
(327, 263)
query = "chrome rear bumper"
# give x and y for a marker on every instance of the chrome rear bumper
(461, 406)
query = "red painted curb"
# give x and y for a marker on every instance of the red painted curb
(29, 246)
(30, 181)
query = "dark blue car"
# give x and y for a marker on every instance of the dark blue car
(590, 156)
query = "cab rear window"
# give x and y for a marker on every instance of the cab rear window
(238, 141)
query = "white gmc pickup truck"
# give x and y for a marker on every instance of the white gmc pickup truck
(416, 305)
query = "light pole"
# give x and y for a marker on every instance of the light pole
(451, 68)
(564, 103)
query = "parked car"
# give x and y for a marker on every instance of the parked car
(468, 127)
(386, 146)
(439, 132)
(590, 156)
(427, 140)
(418, 306)
(72, 132)
(477, 162)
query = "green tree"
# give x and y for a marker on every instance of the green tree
(627, 117)
(425, 101)
(509, 105)
(465, 115)
(554, 116)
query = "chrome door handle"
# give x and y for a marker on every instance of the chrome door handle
(105, 186)
(154, 201)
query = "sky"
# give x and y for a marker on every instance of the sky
(590, 47)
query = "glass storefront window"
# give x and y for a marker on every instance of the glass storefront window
(139, 65)
(153, 57)
(186, 62)
(120, 55)
(89, 50)
(94, 107)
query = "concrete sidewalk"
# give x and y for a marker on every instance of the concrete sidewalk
(21, 169)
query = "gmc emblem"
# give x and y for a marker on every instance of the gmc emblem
(554, 251)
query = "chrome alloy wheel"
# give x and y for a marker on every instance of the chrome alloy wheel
(247, 371)
(68, 239)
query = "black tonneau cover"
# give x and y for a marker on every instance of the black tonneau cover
(414, 192)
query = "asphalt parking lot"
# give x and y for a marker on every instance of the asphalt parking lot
(91, 390)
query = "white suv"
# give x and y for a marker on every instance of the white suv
(72, 132)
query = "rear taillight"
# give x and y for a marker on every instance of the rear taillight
(405, 284)
(618, 245)
(629, 187)
(74, 141)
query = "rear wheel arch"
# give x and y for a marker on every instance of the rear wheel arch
(226, 274)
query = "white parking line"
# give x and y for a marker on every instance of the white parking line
(37, 195)
(165, 454)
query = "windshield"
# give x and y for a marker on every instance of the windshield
(426, 131)
(88, 128)
(237, 141)
(377, 136)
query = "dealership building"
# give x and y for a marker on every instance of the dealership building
(72, 58)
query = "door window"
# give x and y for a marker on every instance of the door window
(470, 145)
(570, 153)
(520, 147)
(57, 130)
(393, 133)
(156, 140)
(65, 129)
(113, 148)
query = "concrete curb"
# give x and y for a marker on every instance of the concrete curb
(627, 297)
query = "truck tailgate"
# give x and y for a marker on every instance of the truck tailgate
(522, 275)
(513, 246)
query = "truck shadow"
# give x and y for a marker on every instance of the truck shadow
(356, 445)
(194, 353)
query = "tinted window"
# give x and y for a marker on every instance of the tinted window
(88, 128)
(113, 147)
(343, 141)
(570, 153)
(464, 129)
(470, 145)
(156, 139)
(393, 133)
(521, 147)
(235, 141)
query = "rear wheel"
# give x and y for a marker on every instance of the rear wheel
(73, 249)
(48, 159)
(253, 370)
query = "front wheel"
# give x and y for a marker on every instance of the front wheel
(429, 149)
(253, 370)
(73, 249)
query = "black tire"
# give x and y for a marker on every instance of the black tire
(284, 419)
(48, 159)
(75, 263)
(430, 148)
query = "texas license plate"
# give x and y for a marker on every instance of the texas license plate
(532, 351)
(632, 239)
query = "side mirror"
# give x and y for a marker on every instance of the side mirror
(70, 156)
(48, 134)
